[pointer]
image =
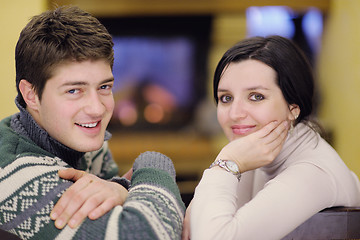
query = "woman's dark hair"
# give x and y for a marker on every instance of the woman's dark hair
(294, 73)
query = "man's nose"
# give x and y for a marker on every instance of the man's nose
(94, 105)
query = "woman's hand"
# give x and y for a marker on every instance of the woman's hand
(128, 174)
(257, 149)
(186, 224)
(89, 196)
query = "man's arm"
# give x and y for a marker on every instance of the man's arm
(153, 210)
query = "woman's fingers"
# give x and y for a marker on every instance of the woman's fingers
(257, 149)
(272, 143)
(278, 134)
(275, 144)
(271, 131)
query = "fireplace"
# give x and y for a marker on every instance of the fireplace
(159, 69)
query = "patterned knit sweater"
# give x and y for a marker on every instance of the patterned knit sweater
(30, 187)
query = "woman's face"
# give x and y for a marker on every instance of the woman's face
(249, 98)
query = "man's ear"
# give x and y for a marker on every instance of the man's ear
(28, 94)
(294, 112)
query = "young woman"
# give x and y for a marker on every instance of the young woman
(277, 171)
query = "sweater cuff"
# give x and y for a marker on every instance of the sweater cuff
(122, 181)
(155, 160)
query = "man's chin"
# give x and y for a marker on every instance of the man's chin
(90, 147)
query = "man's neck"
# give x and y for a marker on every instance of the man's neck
(24, 124)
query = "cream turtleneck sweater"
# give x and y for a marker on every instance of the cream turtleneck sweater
(268, 203)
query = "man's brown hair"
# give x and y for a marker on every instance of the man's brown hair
(55, 37)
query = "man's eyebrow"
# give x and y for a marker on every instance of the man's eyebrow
(83, 83)
(74, 83)
(108, 80)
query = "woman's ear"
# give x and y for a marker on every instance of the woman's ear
(28, 93)
(294, 112)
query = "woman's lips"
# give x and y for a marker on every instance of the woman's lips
(242, 129)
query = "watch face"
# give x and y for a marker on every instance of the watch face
(232, 166)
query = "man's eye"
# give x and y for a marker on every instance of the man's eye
(225, 98)
(106, 87)
(73, 91)
(256, 97)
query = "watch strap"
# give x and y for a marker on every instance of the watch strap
(222, 163)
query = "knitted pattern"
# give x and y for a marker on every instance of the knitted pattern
(30, 187)
(155, 160)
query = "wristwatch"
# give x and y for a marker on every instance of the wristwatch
(229, 166)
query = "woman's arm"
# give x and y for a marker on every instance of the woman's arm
(249, 153)
(284, 203)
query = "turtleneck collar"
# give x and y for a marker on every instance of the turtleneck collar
(300, 138)
(24, 124)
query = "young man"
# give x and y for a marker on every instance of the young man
(64, 78)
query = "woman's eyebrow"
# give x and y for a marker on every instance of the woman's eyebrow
(247, 89)
(257, 88)
(222, 90)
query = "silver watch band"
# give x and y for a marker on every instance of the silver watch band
(224, 165)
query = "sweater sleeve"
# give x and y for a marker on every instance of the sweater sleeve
(284, 203)
(153, 209)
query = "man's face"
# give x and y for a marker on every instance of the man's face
(77, 104)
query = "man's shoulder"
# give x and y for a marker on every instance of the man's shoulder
(30, 186)
(14, 146)
(5, 126)
(28, 165)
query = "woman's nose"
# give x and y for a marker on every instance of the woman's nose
(237, 111)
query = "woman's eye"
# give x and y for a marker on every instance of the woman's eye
(225, 98)
(256, 97)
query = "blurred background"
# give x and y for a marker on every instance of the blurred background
(166, 52)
